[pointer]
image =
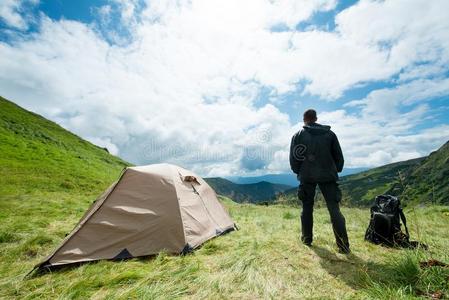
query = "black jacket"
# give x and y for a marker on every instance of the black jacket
(315, 154)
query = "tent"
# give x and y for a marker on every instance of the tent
(152, 208)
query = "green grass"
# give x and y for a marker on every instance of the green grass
(49, 177)
(37, 154)
(264, 259)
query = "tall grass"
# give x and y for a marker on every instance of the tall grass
(264, 259)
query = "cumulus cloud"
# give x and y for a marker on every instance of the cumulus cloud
(410, 31)
(370, 143)
(12, 12)
(405, 105)
(184, 86)
(375, 40)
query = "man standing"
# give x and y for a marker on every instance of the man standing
(316, 157)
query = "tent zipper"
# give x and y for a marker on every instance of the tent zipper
(205, 207)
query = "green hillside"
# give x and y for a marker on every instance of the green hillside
(428, 182)
(49, 177)
(363, 187)
(37, 154)
(423, 180)
(252, 192)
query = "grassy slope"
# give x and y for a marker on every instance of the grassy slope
(37, 154)
(422, 180)
(45, 188)
(363, 187)
(429, 182)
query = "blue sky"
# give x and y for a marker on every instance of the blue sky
(219, 86)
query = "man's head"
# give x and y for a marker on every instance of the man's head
(309, 116)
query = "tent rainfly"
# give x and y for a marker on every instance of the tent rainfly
(152, 208)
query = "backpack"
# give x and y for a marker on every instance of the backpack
(385, 223)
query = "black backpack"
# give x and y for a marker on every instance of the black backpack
(385, 224)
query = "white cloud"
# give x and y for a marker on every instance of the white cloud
(368, 143)
(385, 104)
(11, 12)
(333, 64)
(373, 41)
(184, 88)
(409, 32)
(228, 15)
(104, 143)
(141, 98)
(105, 13)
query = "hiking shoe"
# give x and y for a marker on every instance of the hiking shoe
(306, 241)
(344, 250)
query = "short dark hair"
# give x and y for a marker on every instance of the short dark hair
(310, 115)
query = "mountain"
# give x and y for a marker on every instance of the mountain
(429, 180)
(254, 192)
(39, 155)
(363, 187)
(283, 178)
(421, 180)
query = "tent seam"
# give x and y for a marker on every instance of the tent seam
(179, 204)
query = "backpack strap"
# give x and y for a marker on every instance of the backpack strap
(404, 220)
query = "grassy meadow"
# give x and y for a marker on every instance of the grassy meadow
(264, 259)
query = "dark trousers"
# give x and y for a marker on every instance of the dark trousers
(332, 195)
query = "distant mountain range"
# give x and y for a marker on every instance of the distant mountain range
(253, 192)
(283, 178)
(256, 189)
(286, 179)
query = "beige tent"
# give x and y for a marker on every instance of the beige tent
(149, 209)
